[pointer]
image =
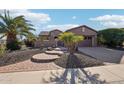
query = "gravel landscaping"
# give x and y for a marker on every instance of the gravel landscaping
(21, 61)
(78, 60)
(17, 56)
(28, 65)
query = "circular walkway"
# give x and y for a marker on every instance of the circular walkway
(44, 57)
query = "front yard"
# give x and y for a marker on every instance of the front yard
(21, 61)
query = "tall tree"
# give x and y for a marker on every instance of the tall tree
(11, 27)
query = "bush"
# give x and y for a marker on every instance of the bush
(29, 43)
(2, 49)
(111, 37)
(15, 45)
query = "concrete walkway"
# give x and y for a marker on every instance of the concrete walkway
(91, 75)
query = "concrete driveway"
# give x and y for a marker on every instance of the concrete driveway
(103, 54)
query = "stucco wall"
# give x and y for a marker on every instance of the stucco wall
(86, 32)
(83, 31)
(54, 33)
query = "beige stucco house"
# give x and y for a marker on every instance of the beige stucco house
(49, 39)
(89, 34)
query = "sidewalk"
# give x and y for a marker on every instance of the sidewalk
(109, 74)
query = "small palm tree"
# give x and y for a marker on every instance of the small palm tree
(70, 40)
(12, 27)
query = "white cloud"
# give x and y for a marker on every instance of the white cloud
(60, 27)
(34, 17)
(74, 17)
(110, 20)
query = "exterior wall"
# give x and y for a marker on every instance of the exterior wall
(83, 31)
(94, 41)
(87, 33)
(54, 34)
(48, 40)
(48, 43)
(53, 37)
(85, 43)
(38, 44)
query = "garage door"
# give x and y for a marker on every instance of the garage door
(86, 43)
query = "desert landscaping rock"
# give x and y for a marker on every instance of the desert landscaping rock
(17, 56)
(44, 57)
(28, 65)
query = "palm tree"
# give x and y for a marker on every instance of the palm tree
(12, 27)
(30, 40)
(70, 40)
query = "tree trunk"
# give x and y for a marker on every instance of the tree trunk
(72, 50)
(10, 38)
(12, 43)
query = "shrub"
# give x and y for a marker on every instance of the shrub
(15, 45)
(111, 37)
(2, 49)
(29, 43)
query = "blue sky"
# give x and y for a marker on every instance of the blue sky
(84, 16)
(48, 19)
(62, 16)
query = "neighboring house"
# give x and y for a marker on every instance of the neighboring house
(50, 39)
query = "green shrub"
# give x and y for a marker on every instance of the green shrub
(29, 43)
(15, 45)
(2, 49)
(111, 37)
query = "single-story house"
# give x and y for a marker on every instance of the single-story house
(89, 34)
(49, 39)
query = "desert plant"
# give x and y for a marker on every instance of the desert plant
(2, 49)
(29, 42)
(11, 27)
(111, 37)
(70, 40)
